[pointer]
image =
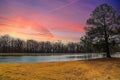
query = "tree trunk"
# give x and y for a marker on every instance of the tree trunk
(107, 47)
(107, 43)
(106, 36)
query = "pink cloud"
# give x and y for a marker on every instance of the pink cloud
(20, 25)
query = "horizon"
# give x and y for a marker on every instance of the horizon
(45, 20)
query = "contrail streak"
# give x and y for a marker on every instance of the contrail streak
(63, 6)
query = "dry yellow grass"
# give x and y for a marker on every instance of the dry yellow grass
(99, 69)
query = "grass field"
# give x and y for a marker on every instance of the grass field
(99, 69)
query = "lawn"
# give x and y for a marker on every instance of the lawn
(97, 69)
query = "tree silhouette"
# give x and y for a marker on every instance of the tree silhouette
(102, 24)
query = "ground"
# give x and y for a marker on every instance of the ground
(97, 69)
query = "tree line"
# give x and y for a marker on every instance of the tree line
(9, 44)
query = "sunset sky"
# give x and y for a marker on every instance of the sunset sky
(47, 20)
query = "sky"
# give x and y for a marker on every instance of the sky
(48, 20)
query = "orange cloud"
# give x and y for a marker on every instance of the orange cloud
(24, 28)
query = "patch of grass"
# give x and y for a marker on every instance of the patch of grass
(98, 69)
